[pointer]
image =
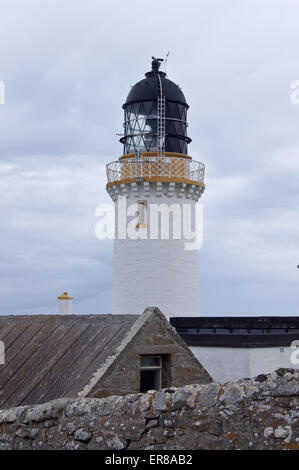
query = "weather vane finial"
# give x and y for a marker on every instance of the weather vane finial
(156, 64)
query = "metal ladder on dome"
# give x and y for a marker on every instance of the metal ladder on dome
(161, 120)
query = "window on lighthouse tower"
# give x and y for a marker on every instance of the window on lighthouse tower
(142, 214)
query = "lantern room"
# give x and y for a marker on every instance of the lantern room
(142, 113)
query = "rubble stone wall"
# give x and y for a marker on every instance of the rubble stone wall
(260, 413)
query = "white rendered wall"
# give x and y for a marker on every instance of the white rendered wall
(155, 272)
(226, 364)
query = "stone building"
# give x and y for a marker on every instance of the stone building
(55, 356)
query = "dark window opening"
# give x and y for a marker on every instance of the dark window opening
(149, 380)
(155, 372)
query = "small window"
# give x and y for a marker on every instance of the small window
(240, 331)
(142, 214)
(206, 331)
(281, 350)
(150, 373)
(222, 331)
(191, 331)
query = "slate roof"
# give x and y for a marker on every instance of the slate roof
(51, 356)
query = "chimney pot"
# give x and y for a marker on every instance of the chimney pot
(65, 304)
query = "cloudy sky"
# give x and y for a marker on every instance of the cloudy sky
(67, 68)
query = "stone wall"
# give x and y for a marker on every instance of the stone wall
(260, 413)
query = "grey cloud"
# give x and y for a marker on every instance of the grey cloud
(68, 67)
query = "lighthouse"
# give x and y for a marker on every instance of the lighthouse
(155, 186)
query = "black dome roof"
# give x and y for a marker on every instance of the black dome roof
(147, 89)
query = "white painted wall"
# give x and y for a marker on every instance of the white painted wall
(226, 364)
(155, 272)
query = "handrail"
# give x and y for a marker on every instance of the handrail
(156, 167)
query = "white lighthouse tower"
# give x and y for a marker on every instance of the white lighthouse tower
(155, 186)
